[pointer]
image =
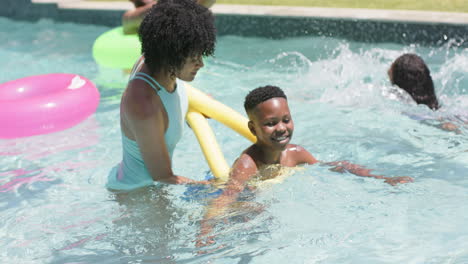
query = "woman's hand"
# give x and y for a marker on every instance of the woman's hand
(200, 182)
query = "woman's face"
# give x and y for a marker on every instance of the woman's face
(190, 68)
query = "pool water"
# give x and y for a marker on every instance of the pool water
(55, 209)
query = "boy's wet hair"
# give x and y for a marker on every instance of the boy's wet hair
(174, 30)
(260, 95)
(410, 73)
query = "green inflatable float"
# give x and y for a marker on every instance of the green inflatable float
(116, 50)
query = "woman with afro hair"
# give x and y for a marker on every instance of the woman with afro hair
(175, 36)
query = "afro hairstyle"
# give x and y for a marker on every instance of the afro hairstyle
(174, 30)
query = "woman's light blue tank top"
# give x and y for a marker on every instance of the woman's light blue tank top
(132, 173)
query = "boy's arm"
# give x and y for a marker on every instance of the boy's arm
(243, 169)
(302, 156)
(346, 166)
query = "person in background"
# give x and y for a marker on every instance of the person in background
(131, 19)
(271, 122)
(175, 36)
(410, 73)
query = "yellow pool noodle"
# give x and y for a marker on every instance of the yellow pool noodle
(208, 106)
(201, 104)
(210, 148)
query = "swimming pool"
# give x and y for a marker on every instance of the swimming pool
(55, 209)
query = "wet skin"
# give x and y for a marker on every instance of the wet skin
(271, 122)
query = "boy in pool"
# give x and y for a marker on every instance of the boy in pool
(271, 122)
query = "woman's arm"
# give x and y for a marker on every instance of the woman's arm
(143, 112)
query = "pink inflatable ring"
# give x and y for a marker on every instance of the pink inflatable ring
(44, 104)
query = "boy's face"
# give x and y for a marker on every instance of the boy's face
(271, 122)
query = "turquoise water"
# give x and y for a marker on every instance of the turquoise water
(55, 209)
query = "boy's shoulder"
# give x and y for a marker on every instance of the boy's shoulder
(250, 153)
(294, 147)
(245, 165)
(250, 156)
(298, 155)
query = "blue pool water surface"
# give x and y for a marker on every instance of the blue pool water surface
(55, 209)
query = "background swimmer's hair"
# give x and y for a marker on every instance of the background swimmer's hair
(260, 95)
(410, 73)
(174, 30)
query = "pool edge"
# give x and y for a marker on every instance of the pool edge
(368, 25)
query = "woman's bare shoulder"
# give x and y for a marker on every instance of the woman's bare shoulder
(139, 100)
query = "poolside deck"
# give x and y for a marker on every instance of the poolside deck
(363, 25)
(291, 11)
